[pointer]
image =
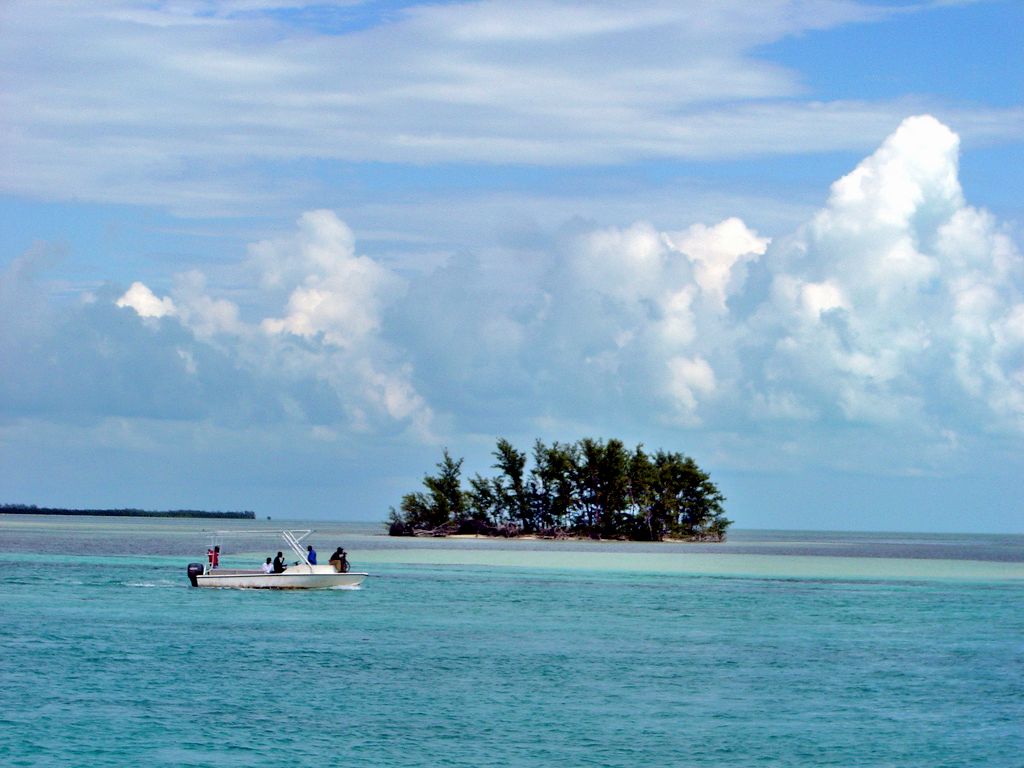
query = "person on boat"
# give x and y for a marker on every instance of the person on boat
(213, 555)
(279, 565)
(311, 555)
(339, 560)
(267, 567)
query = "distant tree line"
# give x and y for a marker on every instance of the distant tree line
(31, 509)
(590, 488)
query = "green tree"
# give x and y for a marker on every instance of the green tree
(510, 491)
(591, 487)
(687, 500)
(481, 501)
(552, 490)
(601, 484)
(646, 524)
(443, 501)
(701, 506)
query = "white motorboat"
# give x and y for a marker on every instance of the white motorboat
(299, 575)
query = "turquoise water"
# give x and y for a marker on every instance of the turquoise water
(773, 650)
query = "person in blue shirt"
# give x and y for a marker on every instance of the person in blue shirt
(311, 554)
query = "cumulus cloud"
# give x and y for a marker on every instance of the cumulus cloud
(895, 309)
(328, 334)
(897, 290)
(341, 293)
(655, 305)
(689, 378)
(145, 302)
(896, 314)
(203, 315)
(718, 255)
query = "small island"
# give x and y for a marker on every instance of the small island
(588, 489)
(31, 509)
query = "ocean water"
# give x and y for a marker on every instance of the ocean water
(773, 649)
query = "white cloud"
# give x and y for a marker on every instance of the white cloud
(341, 293)
(677, 326)
(688, 379)
(896, 310)
(650, 309)
(716, 252)
(145, 302)
(625, 264)
(321, 244)
(179, 103)
(335, 311)
(205, 316)
(894, 317)
(896, 290)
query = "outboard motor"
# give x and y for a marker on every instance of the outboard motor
(194, 569)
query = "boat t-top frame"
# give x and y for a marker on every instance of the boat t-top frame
(292, 537)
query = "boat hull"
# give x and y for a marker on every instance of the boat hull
(315, 577)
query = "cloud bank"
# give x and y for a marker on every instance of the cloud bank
(881, 342)
(884, 335)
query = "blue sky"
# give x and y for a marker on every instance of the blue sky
(277, 256)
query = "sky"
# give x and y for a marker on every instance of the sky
(278, 256)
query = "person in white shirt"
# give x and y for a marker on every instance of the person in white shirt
(267, 567)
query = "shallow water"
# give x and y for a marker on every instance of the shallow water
(767, 650)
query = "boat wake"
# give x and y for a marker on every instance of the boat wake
(151, 584)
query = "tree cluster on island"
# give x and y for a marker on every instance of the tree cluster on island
(32, 509)
(590, 488)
